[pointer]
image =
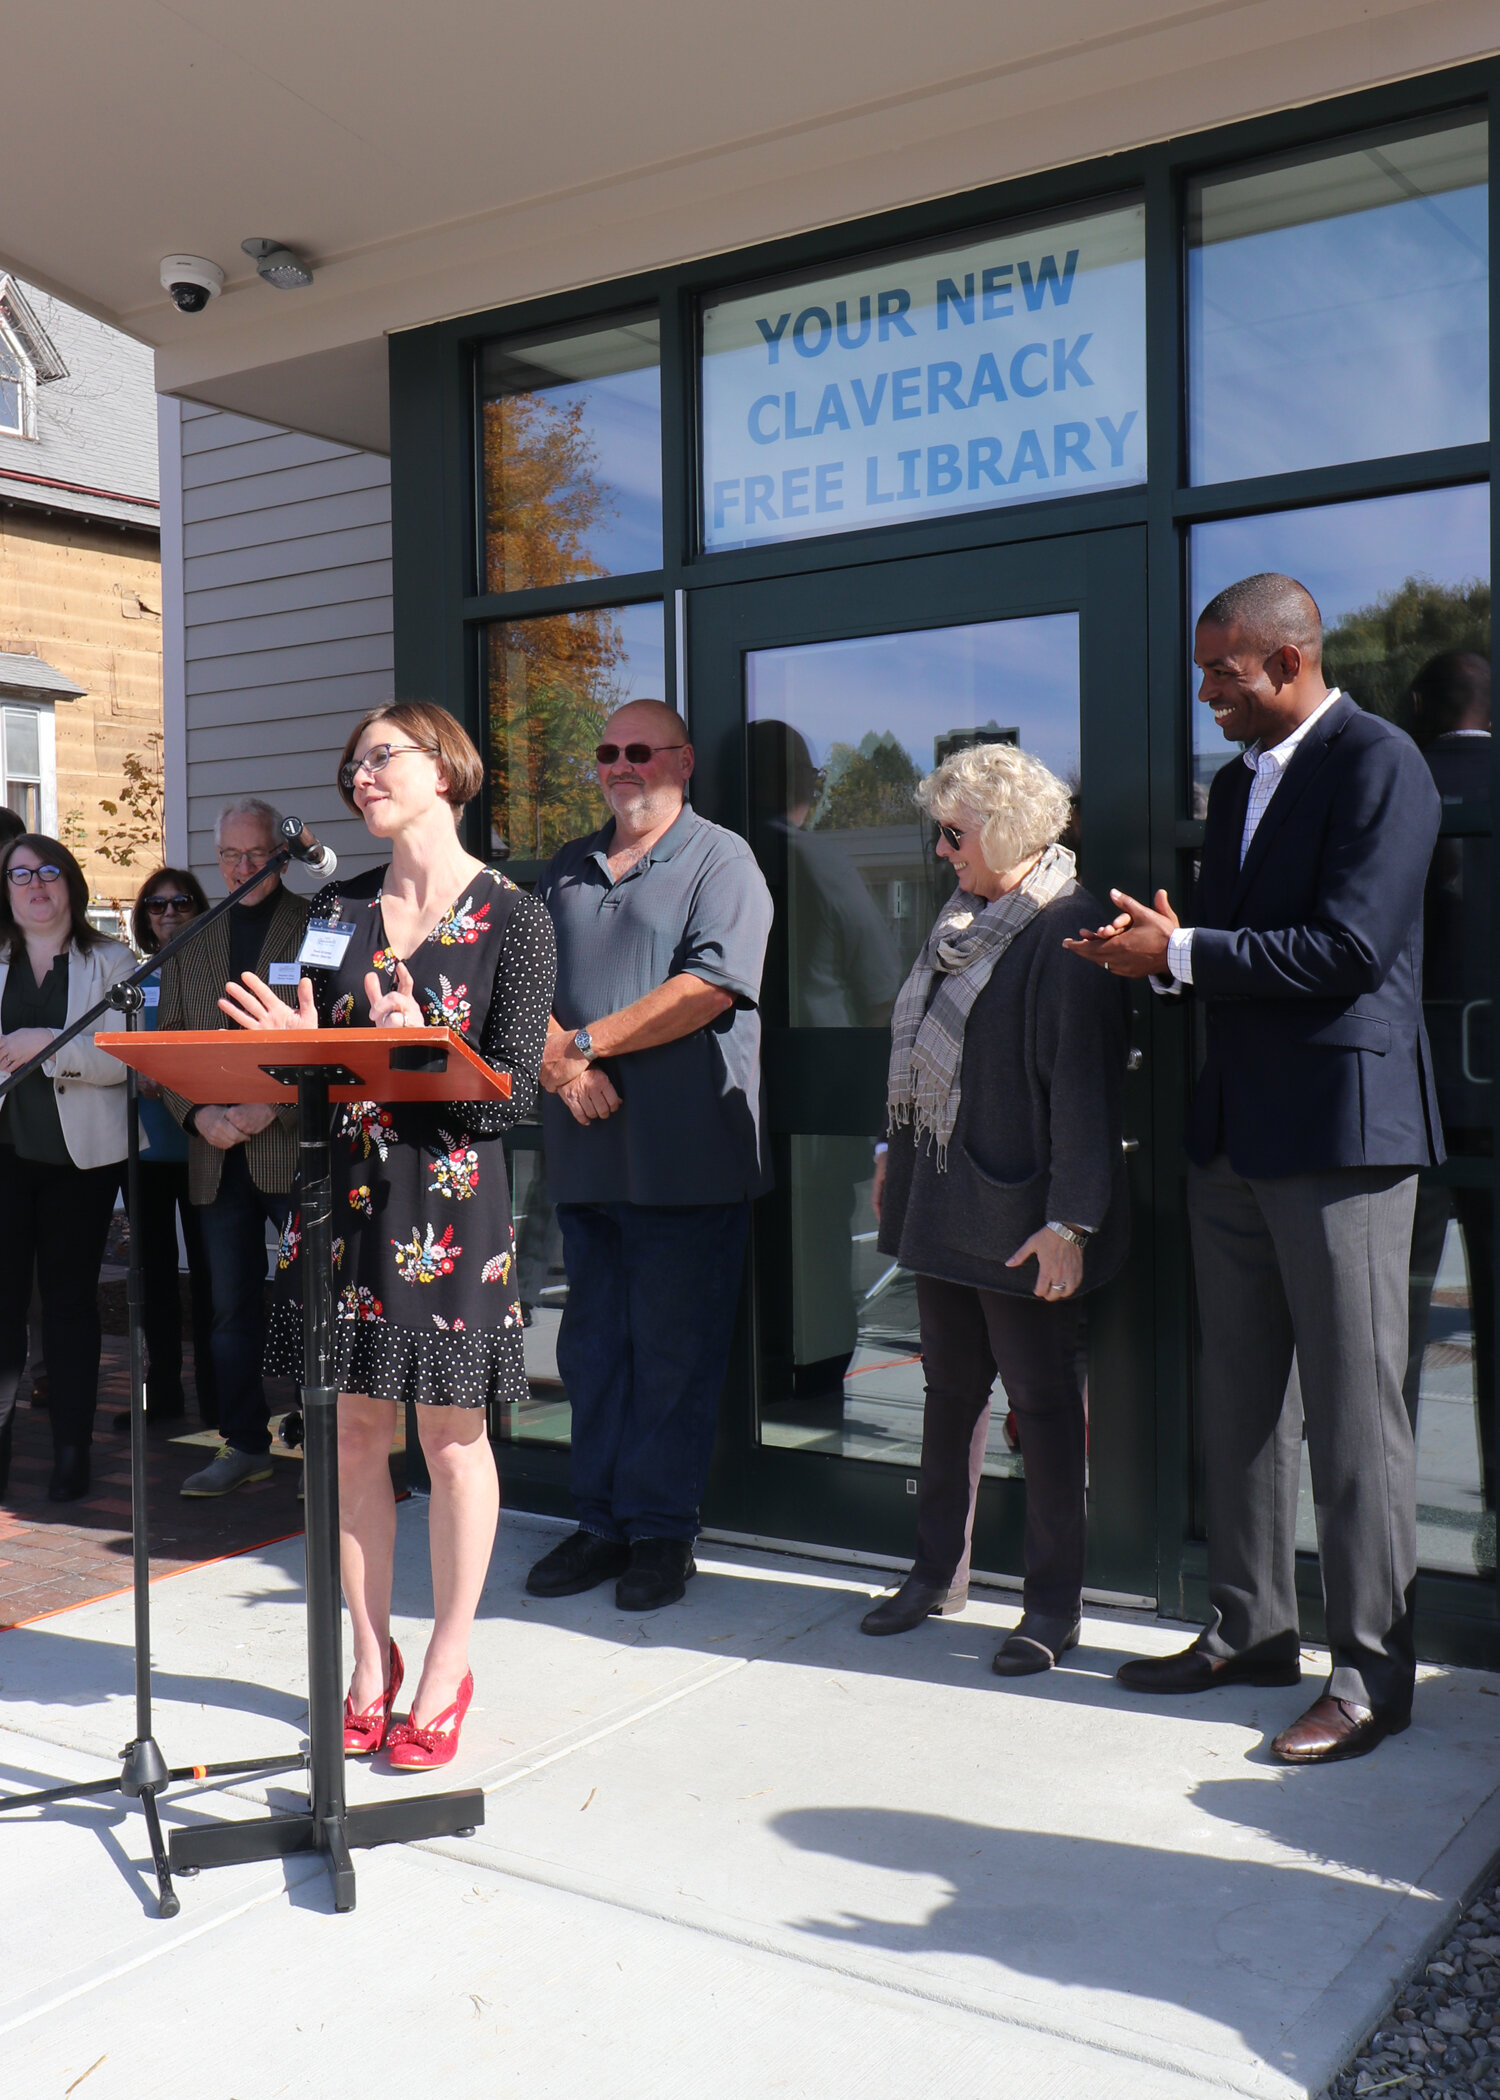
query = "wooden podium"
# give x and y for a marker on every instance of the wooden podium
(317, 1067)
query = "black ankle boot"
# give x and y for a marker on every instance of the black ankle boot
(70, 1473)
(915, 1601)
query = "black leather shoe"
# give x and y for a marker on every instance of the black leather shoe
(1193, 1671)
(1332, 1729)
(911, 1604)
(1035, 1645)
(580, 1563)
(70, 1473)
(658, 1574)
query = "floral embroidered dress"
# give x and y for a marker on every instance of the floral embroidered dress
(424, 1269)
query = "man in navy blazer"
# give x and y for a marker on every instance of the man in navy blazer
(1314, 1110)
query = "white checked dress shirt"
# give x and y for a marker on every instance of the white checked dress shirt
(1269, 768)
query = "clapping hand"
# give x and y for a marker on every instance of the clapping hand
(253, 1004)
(397, 1008)
(1134, 943)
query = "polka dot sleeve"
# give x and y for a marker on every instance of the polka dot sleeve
(515, 1029)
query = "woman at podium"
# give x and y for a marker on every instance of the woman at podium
(424, 1251)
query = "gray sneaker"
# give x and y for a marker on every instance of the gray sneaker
(231, 1469)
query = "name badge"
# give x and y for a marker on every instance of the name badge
(286, 973)
(325, 942)
(152, 993)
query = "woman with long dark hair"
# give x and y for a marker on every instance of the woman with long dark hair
(62, 1138)
(424, 1261)
(169, 900)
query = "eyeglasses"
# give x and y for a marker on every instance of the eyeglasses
(638, 754)
(375, 760)
(158, 907)
(257, 859)
(22, 876)
(952, 834)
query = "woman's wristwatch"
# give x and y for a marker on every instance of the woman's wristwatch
(1073, 1234)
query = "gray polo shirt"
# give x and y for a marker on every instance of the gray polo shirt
(692, 1127)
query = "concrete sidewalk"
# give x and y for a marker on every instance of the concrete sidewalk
(734, 1848)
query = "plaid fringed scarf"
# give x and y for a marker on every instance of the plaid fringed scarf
(927, 1042)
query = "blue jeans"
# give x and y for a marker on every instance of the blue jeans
(642, 1351)
(234, 1240)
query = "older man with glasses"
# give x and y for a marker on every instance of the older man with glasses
(240, 1157)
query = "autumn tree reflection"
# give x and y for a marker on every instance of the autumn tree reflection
(554, 681)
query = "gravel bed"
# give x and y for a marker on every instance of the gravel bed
(1442, 2035)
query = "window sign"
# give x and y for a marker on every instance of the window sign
(1007, 370)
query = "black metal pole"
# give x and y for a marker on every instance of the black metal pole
(320, 1401)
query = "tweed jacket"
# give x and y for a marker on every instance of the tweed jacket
(191, 986)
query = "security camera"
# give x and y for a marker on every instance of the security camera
(192, 281)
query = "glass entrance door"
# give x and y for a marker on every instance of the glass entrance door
(817, 706)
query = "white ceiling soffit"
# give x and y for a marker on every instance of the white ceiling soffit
(438, 160)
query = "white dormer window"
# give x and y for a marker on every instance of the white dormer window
(17, 388)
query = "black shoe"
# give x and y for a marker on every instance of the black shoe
(7, 1436)
(1193, 1671)
(911, 1604)
(580, 1563)
(70, 1473)
(1034, 1645)
(658, 1574)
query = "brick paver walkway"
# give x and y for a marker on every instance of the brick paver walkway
(57, 1554)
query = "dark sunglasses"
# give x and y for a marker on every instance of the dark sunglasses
(638, 754)
(157, 905)
(952, 834)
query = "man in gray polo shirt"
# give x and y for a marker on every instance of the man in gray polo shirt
(654, 1127)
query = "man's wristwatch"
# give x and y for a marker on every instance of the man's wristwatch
(583, 1043)
(1073, 1234)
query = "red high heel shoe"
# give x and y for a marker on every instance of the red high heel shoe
(365, 1733)
(416, 1749)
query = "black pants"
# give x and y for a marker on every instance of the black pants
(967, 1335)
(55, 1219)
(163, 1200)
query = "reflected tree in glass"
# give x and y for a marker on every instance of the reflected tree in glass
(1375, 652)
(543, 500)
(554, 682)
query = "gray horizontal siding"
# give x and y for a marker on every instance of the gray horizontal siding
(287, 616)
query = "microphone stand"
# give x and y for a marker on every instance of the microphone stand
(144, 1772)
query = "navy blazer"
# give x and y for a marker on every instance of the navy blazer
(1309, 959)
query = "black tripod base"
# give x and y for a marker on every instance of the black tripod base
(372, 1823)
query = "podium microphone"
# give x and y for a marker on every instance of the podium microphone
(320, 858)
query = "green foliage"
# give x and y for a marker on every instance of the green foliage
(138, 828)
(1376, 652)
(865, 785)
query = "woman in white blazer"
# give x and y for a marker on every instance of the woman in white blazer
(62, 1139)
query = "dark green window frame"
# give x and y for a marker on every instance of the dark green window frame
(441, 613)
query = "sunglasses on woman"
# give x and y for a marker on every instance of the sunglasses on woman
(22, 876)
(952, 834)
(636, 754)
(158, 906)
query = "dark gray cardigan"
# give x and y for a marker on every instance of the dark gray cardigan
(1039, 1129)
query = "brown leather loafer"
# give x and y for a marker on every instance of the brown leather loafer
(1193, 1671)
(1335, 1728)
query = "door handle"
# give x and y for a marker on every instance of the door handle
(1135, 1060)
(1474, 1078)
(1130, 1144)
